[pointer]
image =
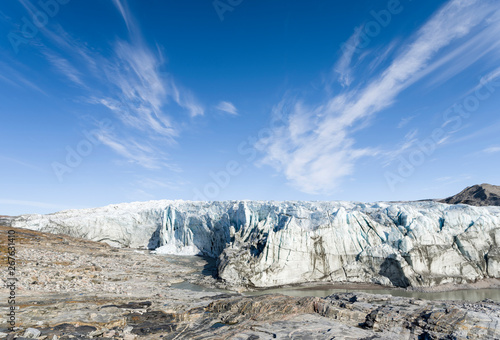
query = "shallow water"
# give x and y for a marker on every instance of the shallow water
(197, 288)
(207, 266)
(473, 295)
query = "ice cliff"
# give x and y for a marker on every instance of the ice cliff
(262, 244)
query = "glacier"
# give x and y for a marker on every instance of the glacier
(268, 243)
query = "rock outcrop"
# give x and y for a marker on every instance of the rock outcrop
(391, 317)
(5, 220)
(264, 244)
(478, 195)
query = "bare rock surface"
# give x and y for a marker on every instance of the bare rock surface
(6, 220)
(478, 195)
(70, 288)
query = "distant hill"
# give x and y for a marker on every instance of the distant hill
(478, 195)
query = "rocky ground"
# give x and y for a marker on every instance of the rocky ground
(69, 288)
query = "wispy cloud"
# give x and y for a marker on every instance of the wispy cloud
(64, 67)
(4, 17)
(464, 55)
(490, 77)
(138, 92)
(124, 12)
(13, 77)
(130, 81)
(492, 149)
(409, 142)
(185, 99)
(314, 147)
(227, 107)
(7, 160)
(135, 152)
(381, 55)
(405, 121)
(343, 65)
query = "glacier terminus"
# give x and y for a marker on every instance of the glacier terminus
(268, 243)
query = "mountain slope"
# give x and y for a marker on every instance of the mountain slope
(478, 195)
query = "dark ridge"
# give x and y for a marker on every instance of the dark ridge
(478, 195)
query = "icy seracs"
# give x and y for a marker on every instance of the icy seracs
(262, 244)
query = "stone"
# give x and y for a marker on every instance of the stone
(32, 333)
(109, 334)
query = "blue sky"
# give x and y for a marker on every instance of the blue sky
(109, 101)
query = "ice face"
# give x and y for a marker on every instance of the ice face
(265, 243)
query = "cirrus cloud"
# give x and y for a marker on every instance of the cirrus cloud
(315, 149)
